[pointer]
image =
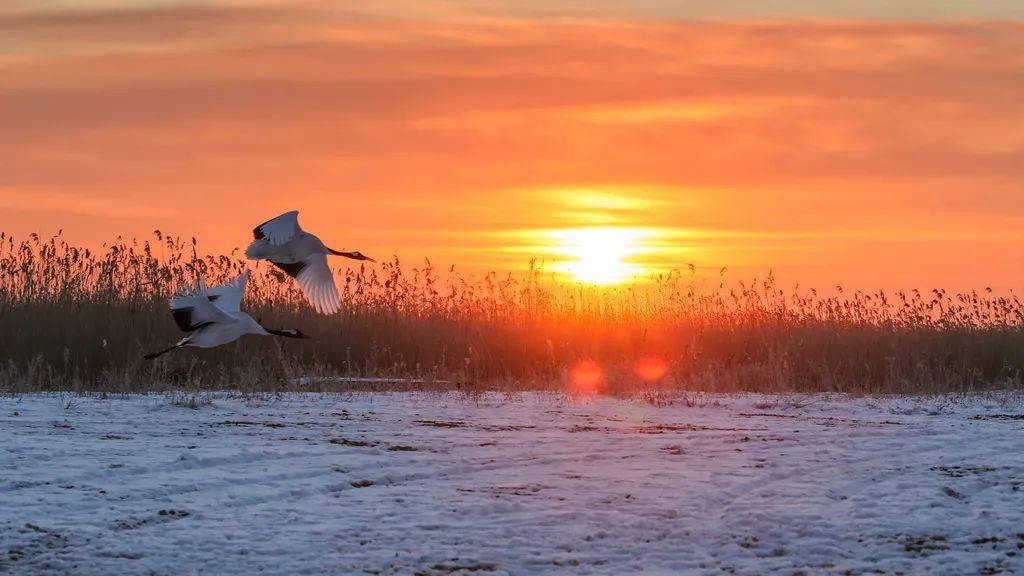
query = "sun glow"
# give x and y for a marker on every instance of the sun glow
(599, 255)
(602, 236)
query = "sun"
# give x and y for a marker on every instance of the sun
(598, 255)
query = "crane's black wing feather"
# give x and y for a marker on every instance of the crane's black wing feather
(280, 229)
(292, 269)
(183, 318)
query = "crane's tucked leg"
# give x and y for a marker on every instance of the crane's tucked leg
(152, 355)
(180, 343)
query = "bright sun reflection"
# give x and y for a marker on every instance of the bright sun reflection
(598, 255)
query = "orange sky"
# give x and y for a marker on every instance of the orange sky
(833, 142)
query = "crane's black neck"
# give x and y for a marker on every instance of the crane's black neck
(352, 255)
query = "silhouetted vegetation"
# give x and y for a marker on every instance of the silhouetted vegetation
(73, 319)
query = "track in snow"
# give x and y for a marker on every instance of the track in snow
(418, 483)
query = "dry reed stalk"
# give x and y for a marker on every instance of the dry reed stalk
(76, 319)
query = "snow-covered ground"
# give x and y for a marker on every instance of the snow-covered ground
(417, 483)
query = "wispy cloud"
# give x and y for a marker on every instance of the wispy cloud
(21, 203)
(469, 117)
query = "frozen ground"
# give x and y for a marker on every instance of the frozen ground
(413, 483)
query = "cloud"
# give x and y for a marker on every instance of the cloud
(397, 121)
(28, 201)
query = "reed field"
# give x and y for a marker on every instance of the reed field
(75, 319)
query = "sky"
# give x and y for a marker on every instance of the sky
(870, 144)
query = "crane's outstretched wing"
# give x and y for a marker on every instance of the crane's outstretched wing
(279, 230)
(228, 296)
(316, 281)
(194, 310)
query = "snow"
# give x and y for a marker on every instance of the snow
(538, 483)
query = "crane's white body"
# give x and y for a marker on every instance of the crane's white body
(220, 333)
(294, 250)
(302, 256)
(214, 314)
(214, 317)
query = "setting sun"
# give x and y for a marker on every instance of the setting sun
(598, 255)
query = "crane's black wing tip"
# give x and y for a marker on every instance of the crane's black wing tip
(257, 232)
(183, 318)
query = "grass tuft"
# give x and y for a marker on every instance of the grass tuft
(80, 320)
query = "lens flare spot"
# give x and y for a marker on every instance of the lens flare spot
(651, 368)
(586, 377)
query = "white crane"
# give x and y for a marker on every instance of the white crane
(302, 256)
(214, 318)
